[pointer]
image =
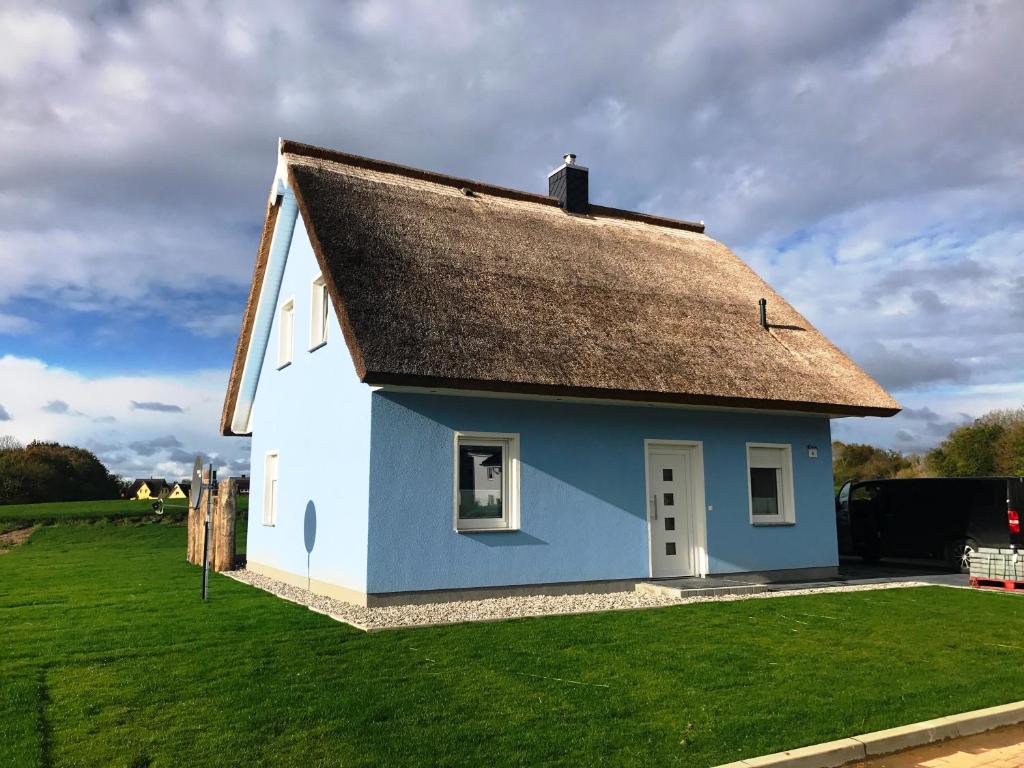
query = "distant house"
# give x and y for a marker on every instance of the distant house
(180, 490)
(454, 388)
(148, 488)
(242, 485)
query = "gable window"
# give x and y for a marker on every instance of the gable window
(770, 481)
(318, 307)
(286, 323)
(486, 481)
(270, 489)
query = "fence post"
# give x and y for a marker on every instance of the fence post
(224, 526)
(194, 527)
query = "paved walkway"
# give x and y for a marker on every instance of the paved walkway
(1003, 748)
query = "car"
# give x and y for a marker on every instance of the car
(944, 519)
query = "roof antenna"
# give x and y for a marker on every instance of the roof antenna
(763, 306)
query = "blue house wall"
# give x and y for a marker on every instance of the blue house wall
(316, 414)
(583, 493)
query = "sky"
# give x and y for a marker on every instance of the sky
(867, 159)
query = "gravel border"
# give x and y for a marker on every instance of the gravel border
(499, 608)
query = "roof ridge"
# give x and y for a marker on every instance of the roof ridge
(290, 147)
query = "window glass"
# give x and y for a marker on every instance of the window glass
(481, 486)
(764, 490)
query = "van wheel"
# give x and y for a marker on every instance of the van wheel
(960, 553)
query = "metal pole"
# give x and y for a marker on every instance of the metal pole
(210, 484)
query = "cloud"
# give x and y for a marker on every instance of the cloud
(181, 456)
(14, 324)
(920, 414)
(4, 415)
(133, 442)
(55, 406)
(907, 366)
(817, 139)
(151, 446)
(906, 436)
(155, 406)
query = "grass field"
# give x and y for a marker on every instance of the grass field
(13, 516)
(108, 657)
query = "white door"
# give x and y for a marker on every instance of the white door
(670, 513)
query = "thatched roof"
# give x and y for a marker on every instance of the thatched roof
(502, 290)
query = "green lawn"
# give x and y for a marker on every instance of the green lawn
(14, 516)
(108, 657)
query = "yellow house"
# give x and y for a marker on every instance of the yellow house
(180, 490)
(150, 488)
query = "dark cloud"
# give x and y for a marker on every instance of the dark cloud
(56, 406)
(4, 415)
(907, 366)
(943, 428)
(149, 447)
(182, 456)
(906, 436)
(920, 414)
(158, 407)
(105, 420)
(928, 301)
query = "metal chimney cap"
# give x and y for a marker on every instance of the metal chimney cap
(570, 158)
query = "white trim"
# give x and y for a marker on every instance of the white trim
(566, 165)
(281, 240)
(787, 502)
(270, 491)
(595, 400)
(319, 306)
(286, 343)
(694, 450)
(509, 441)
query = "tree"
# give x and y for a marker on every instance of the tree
(53, 472)
(856, 461)
(9, 442)
(1009, 450)
(968, 451)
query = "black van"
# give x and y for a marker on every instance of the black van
(929, 518)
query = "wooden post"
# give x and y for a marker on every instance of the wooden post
(196, 517)
(223, 526)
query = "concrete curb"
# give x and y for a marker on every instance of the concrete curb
(833, 754)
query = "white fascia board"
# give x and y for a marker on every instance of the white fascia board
(280, 244)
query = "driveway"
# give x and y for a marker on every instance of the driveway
(996, 749)
(855, 572)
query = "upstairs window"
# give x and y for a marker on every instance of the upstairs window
(770, 478)
(486, 481)
(286, 323)
(318, 307)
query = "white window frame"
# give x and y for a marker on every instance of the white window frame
(787, 498)
(509, 442)
(319, 305)
(271, 486)
(286, 333)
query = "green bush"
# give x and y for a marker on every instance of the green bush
(45, 472)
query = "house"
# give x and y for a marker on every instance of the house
(180, 490)
(148, 488)
(456, 389)
(242, 485)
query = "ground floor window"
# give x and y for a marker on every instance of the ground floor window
(770, 481)
(270, 489)
(486, 481)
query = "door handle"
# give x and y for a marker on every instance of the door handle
(654, 505)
